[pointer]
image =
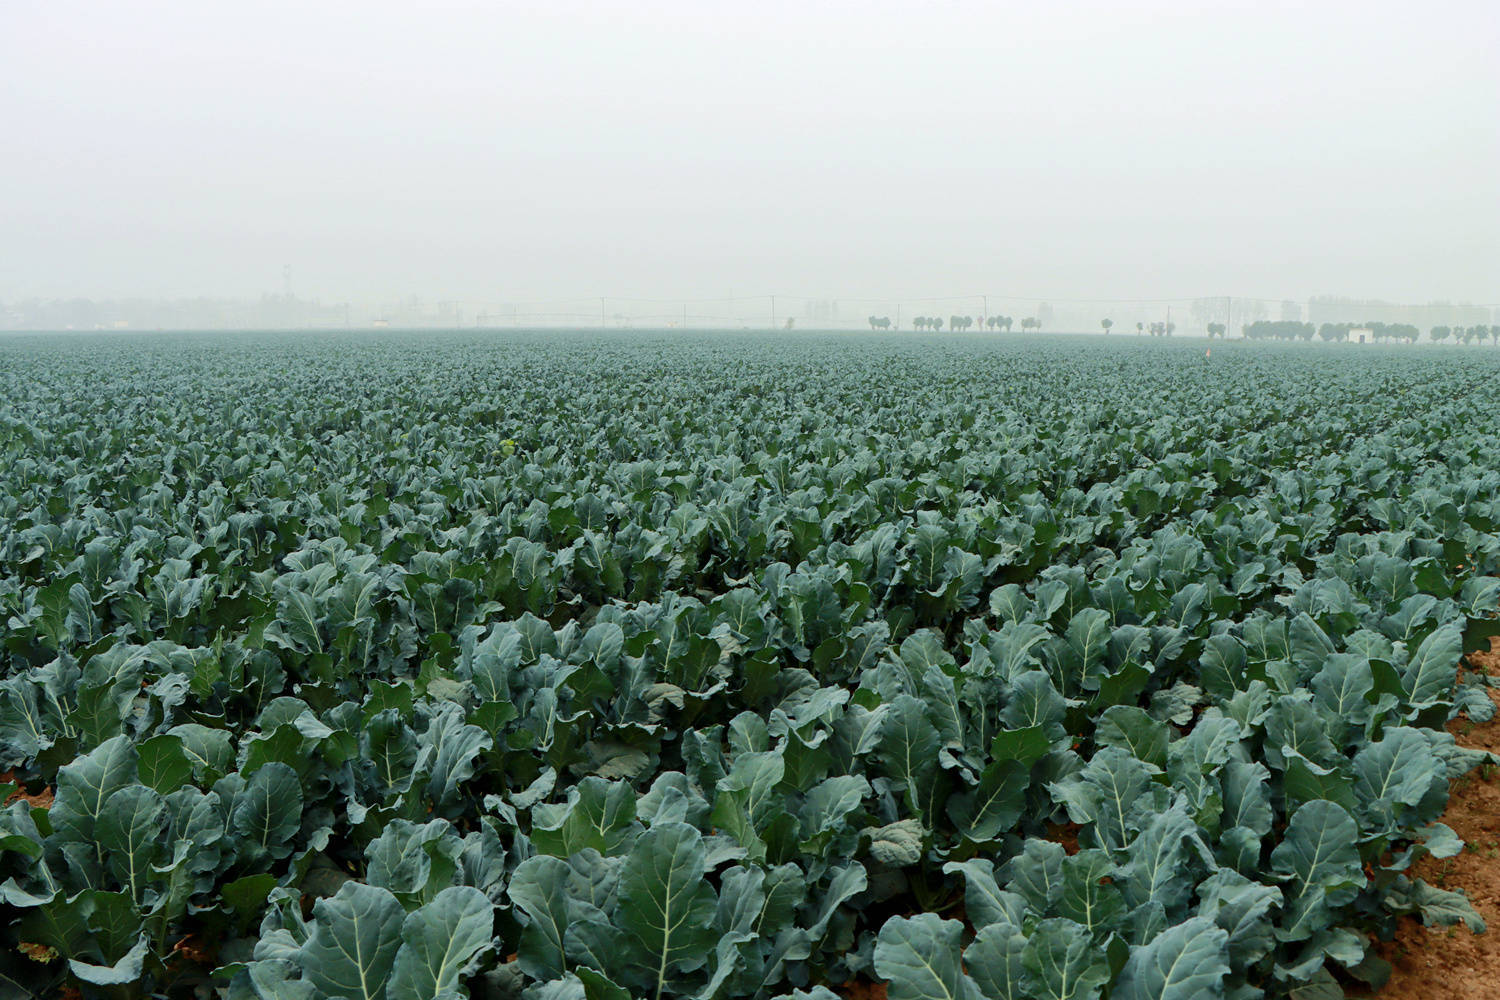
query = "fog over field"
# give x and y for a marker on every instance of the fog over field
(484, 152)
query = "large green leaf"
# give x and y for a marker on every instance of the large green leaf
(665, 904)
(1437, 907)
(908, 749)
(1105, 792)
(1089, 896)
(1185, 962)
(1398, 779)
(994, 962)
(920, 958)
(1432, 669)
(453, 746)
(269, 811)
(126, 970)
(985, 902)
(1320, 859)
(538, 888)
(352, 948)
(1062, 962)
(85, 787)
(438, 941)
(747, 798)
(127, 834)
(992, 807)
(598, 815)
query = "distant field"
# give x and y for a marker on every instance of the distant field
(603, 665)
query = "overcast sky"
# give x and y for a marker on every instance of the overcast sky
(493, 151)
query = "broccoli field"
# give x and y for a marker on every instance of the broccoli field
(594, 666)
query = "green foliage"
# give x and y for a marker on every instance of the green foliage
(574, 667)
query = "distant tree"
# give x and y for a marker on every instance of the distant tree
(1216, 330)
(919, 322)
(992, 321)
(937, 322)
(1140, 328)
(1106, 323)
(1029, 323)
(1170, 328)
(1278, 330)
(1006, 321)
(1495, 333)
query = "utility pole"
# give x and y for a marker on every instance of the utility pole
(603, 321)
(898, 315)
(773, 312)
(1228, 315)
(986, 307)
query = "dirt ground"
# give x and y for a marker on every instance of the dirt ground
(1449, 963)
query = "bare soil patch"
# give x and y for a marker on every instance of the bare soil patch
(1450, 963)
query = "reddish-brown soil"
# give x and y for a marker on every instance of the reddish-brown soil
(42, 799)
(861, 990)
(1450, 963)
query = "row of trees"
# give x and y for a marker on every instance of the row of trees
(1467, 334)
(1155, 329)
(1266, 329)
(1259, 330)
(958, 322)
(1405, 333)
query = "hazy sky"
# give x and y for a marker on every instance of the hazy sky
(495, 151)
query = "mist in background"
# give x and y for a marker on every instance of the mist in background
(484, 161)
